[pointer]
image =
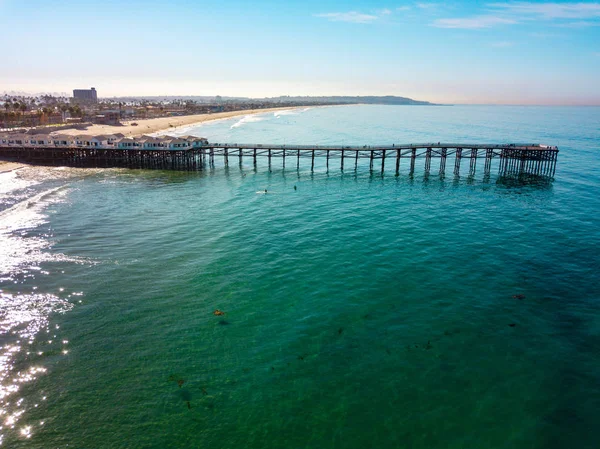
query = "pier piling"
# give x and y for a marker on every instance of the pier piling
(533, 159)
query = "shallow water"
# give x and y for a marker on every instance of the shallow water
(361, 310)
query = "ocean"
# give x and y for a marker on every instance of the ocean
(360, 309)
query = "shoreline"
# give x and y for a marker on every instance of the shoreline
(7, 167)
(161, 124)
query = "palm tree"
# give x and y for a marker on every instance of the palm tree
(63, 108)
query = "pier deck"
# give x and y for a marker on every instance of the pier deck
(515, 158)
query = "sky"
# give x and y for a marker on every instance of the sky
(446, 52)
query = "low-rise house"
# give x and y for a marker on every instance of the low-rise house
(39, 140)
(18, 139)
(99, 141)
(62, 140)
(107, 117)
(196, 142)
(176, 143)
(126, 143)
(91, 141)
(150, 143)
(82, 140)
(110, 138)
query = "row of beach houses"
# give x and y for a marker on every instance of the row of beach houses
(112, 141)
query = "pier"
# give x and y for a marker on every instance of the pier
(517, 158)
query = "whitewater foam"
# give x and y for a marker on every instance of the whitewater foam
(248, 119)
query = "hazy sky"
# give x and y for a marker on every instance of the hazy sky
(456, 52)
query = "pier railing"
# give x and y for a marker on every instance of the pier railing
(516, 158)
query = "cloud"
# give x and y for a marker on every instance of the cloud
(578, 15)
(543, 35)
(403, 8)
(351, 17)
(473, 23)
(551, 10)
(579, 24)
(426, 5)
(384, 12)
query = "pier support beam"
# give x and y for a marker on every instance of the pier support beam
(382, 161)
(443, 161)
(489, 153)
(427, 160)
(413, 157)
(457, 161)
(397, 162)
(473, 164)
(342, 162)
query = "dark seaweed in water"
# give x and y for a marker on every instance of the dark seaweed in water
(186, 396)
(175, 378)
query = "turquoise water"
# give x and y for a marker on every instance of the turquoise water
(361, 310)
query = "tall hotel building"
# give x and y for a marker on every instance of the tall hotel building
(86, 95)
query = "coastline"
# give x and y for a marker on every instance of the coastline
(6, 167)
(155, 125)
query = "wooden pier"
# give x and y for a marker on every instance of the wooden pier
(534, 159)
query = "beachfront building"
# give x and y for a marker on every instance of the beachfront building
(18, 139)
(176, 143)
(195, 142)
(150, 143)
(83, 140)
(61, 140)
(86, 95)
(112, 138)
(126, 143)
(107, 118)
(39, 140)
(102, 141)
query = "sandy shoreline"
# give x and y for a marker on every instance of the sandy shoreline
(10, 166)
(153, 125)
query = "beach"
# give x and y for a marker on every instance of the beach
(153, 125)
(10, 166)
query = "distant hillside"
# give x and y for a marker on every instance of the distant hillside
(388, 99)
